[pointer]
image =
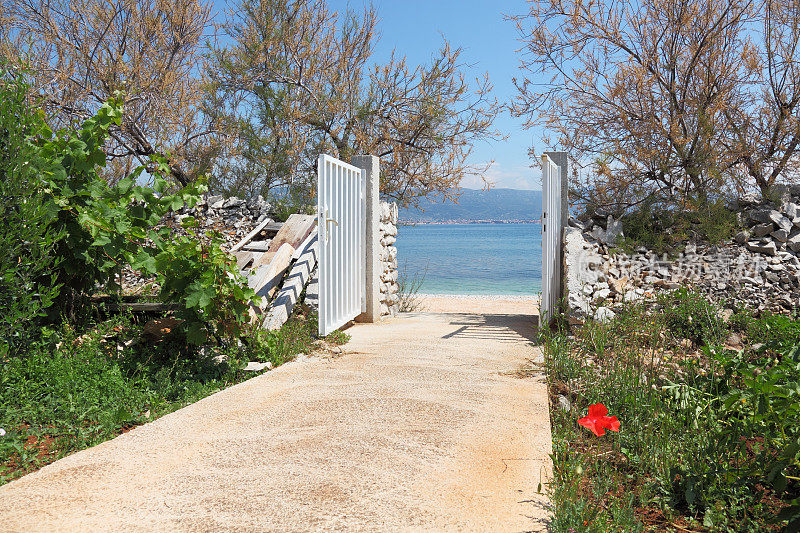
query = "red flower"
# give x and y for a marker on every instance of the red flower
(597, 422)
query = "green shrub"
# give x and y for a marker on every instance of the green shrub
(204, 279)
(73, 232)
(690, 315)
(774, 330)
(666, 230)
(27, 237)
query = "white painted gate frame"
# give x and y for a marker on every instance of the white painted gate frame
(551, 241)
(341, 212)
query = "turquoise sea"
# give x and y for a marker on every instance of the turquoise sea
(472, 258)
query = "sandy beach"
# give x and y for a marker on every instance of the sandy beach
(481, 303)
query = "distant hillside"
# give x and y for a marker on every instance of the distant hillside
(494, 204)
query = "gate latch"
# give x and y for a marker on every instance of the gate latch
(328, 220)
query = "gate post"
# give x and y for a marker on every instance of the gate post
(561, 159)
(372, 289)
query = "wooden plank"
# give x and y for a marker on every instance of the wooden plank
(249, 267)
(249, 236)
(294, 231)
(299, 276)
(265, 280)
(242, 259)
(257, 246)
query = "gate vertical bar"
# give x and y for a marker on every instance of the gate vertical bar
(551, 240)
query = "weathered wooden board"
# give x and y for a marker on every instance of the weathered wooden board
(294, 231)
(267, 276)
(273, 227)
(283, 304)
(257, 246)
(242, 259)
(266, 279)
(251, 235)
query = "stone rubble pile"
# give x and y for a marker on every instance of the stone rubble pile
(759, 269)
(232, 218)
(390, 299)
(770, 226)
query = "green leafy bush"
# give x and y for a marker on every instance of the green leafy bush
(666, 230)
(691, 316)
(92, 230)
(198, 274)
(27, 238)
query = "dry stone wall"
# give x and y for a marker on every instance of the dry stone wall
(759, 269)
(390, 299)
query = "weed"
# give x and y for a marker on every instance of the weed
(708, 439)
(338, 338)
(408, 287)
(691, 316)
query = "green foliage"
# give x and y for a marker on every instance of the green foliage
(297, 335)
(691, 316)
(666, 230)
(73, 232)
(27, 238)
(104, 227)
(774, 330)
(709, 440)
(204, 279)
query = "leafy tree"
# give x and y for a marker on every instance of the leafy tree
(299, 80)
(670, 99)
(27, 239)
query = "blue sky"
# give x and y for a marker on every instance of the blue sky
(415, 29)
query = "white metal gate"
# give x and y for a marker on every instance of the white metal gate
(341, 213)
(551, 240)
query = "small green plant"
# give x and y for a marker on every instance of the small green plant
(408, 289)
(691, 316)
(338, 338)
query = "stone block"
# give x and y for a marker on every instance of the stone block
(780, 235)
(761, 230)
(768, 248)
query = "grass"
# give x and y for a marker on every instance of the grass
(76, 389)
(408, 288)
(708, 440)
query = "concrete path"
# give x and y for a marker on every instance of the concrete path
(423, 424)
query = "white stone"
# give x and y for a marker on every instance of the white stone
(767, 248)
(255, 366)
(604, 314)
(602, 294)
(386, 212)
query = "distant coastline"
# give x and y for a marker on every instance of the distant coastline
(458, 221)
